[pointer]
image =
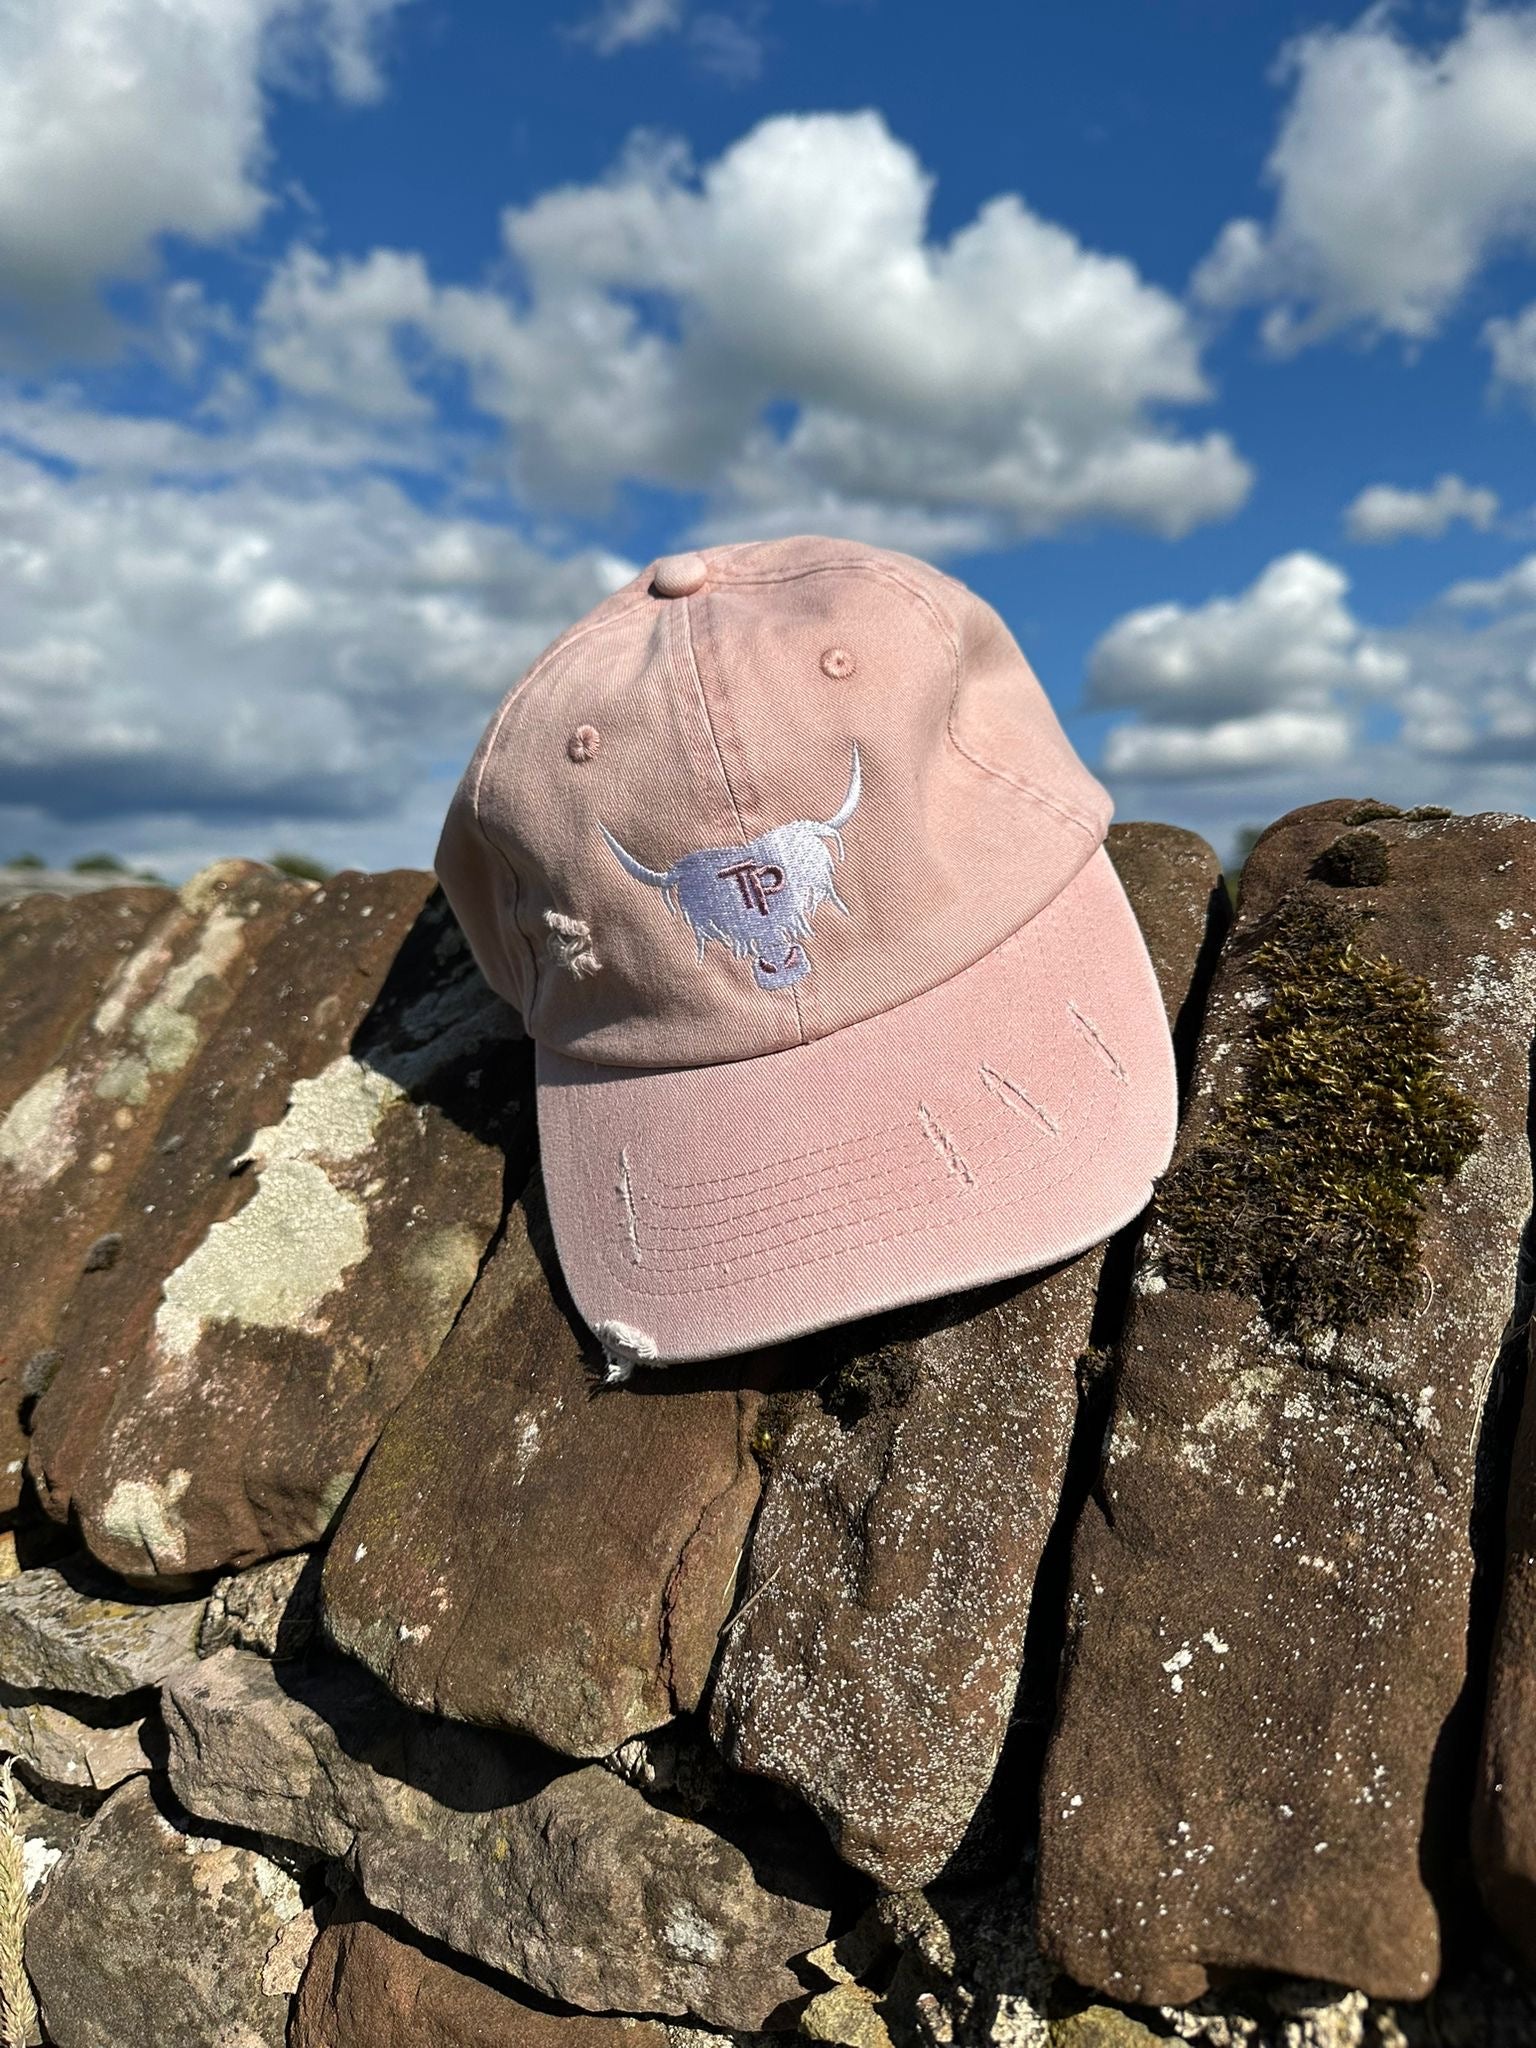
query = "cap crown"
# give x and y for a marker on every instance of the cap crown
(713, 825)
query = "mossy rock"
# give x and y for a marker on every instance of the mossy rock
(1355, 860)
(873, 1382)
(1308, 1190)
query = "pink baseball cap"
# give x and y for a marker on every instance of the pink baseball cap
(837, 1001)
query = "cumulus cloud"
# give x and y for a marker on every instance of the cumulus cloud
(1287, 643)
(232, 434)
(1398, 172)
(1471, 706)
(241, 655)
(1266, 741)
(349, 34)
(1384, 513)
(1513, 347)
(1242, 707)
(1517, 586)
(727, 46)
(122, 121)
(328, 330)
(1003, 383)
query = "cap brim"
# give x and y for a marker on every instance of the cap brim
(1011, 1117)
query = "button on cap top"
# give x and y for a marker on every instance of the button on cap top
(678, 575)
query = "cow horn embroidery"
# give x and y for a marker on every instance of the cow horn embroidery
(758, 899)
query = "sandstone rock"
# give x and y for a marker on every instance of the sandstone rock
(47, 1832)
(17, 882)
(56, 957)
(1174, 882)
(1252, 1766)
(68, 1632)
(610, 1524)
(366, 1987)
(72, 1141)
(874, 1659)
(270, 1608)
(147, 1933)
(1102, 2026)
(967, 1970)
(1504, 1816)
(572, 1883)
(848, 2015)
(876, 1654)
(58, 1748)
(295, 1248)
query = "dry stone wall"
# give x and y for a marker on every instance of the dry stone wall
(1271, 1585)
(1141, 1650)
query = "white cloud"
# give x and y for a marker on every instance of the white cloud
(1003, 383)
(1398, 173)
(122, 121)
(233, 435)
(1247, 706)
(327, 330)
(1516, 586)
(1289, 642)
(728, 46)
(622, 24)
(1471, 707)
(1268, 741)
(242, 656)
(1384, 513)
(1513, 345)
(350, 32)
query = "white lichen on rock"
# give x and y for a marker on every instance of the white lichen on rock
(34, 1128)
(333, 1115)
(272, 1263)
(143, 1512)
(269, 1266)
(163, 1032)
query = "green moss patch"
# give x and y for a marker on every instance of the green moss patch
(1372, 808)
(1308, 1192)
(875, 1383)
(1355, 860)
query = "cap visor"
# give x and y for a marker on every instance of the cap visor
(1012, 1116)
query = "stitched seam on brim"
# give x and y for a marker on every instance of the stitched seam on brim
(977, 1204)
(752, 1175)
(794, 1264)
(761, 1216)
(789, 1189)
(844, 1190)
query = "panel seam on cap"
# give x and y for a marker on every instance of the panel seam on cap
(493, 740)
(725, 773)
(914, 590)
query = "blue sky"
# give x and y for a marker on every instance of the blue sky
(350, 348)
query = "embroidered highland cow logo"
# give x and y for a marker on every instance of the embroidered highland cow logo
(757, 899)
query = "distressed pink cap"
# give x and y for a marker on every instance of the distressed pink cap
(837, 1001)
